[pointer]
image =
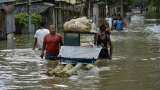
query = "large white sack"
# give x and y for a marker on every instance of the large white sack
(78, 25)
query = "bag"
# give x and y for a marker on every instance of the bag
(78, 25)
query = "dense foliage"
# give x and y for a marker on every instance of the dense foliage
(154, 3)
(22, 19)
(153, 9)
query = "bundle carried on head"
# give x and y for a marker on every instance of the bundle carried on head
(78, 25)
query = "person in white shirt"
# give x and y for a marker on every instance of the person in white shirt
(39, 36)
(93, 26)
(109, 20)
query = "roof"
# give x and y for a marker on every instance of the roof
(69, 1)
(78, 54)
(35, 8)
(3, 1)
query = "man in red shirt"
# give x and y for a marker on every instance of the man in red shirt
(51, 44)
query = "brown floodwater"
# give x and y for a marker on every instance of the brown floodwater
(135, 66)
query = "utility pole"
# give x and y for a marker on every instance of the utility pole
(9, 25)
(89, 9)
(29, 16)
(122, 9)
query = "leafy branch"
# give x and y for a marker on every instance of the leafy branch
(22, 19)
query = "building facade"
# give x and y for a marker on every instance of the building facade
(4, 17)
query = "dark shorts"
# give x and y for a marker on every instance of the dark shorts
(51, 57)
(104, 54)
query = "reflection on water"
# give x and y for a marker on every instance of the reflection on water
(19, 41)
(137, 20)
(11, 41)
(135, 66)
(153, 28)
(20, 69)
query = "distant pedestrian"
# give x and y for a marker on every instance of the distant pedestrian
(39, 37)
(119, 23)
(51, 44)
(109, 20)
(93, 26)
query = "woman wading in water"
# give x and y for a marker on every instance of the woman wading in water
(103, 40)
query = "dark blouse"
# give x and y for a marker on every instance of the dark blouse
(103, 38)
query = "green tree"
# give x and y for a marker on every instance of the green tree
(153, 9)
(22, 19)
(155, 3)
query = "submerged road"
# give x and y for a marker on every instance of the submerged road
(135, 65)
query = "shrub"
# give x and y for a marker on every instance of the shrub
(22, 19)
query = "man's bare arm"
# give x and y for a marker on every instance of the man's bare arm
(43, 49)
(35, 43)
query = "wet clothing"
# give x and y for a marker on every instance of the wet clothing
(119, 25)
(52, 43)
(49, 56)
(40, 34)
(104, 53)
(102, 40)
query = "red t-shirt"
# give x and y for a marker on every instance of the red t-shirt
(53, 43)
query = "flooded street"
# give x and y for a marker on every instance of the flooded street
(135, 65)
